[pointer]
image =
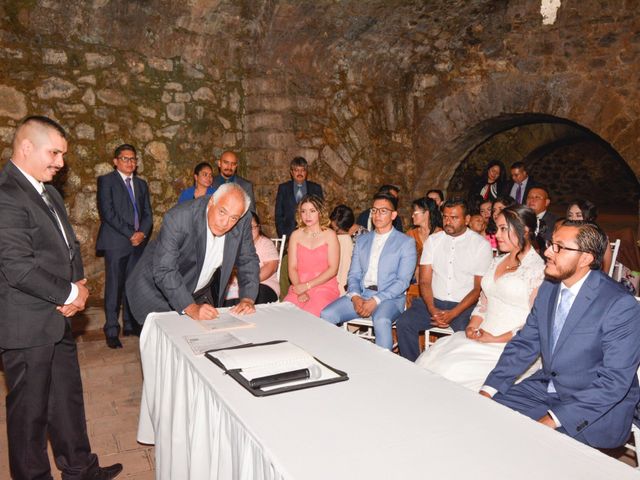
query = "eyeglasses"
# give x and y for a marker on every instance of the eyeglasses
(381, 211)
(556, 247)
(128, 159)
(418, 212)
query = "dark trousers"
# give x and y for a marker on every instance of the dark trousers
(210, 293)
(265, 295)
(118, 263)
(418, 319)
(45, 398)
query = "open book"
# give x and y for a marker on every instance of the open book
(274, 367)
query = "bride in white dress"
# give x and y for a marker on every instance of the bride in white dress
(508, 291)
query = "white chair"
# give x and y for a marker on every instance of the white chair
(279, 243)
(438, 332)
(615, 247)
(364, 329)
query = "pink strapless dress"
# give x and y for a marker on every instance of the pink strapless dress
(311, 263)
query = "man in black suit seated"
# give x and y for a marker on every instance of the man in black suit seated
(520, 184)
(364, 219)
(42, 285)
(290, 193)
(538, 200)
(125, 213)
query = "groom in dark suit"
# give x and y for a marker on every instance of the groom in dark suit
(187, 268)
(125, 212)
(586, 328)
(42, 284)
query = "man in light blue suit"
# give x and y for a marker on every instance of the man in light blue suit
(586, 328)
(382, 264)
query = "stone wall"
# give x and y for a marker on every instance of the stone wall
(369, 92)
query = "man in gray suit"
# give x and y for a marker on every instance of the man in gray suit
(187, 268)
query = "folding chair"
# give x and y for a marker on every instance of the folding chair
(279, 242)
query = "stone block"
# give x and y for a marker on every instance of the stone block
(142, 132)
(162, 64)
(168, 132)
(51, 56)
(309, 154)
(309, 104)
(89, 97)
(55, 87)
(182, 97)
(111, 128)
(175, 86)
(234, 101)
(332, 159)
(204, 94)
(112, 97)
(263, 121)
(280, 141)
(166, 97)
(85, 132)
(226, 124)
(147, 112)
(89, 79)
(13, 103)
(176, 111)
(11, 53)
(72, 107)
(6, 134)
(159, 152)
(96, 60)
(191, 72)
(257, 86)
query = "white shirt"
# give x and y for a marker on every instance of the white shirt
(379, 241)
(455, 262)
(212, 256)
(124, 179)
(39, 186)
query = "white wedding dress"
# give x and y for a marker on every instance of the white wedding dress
(504, 306)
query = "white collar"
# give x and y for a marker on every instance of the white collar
(39, 186)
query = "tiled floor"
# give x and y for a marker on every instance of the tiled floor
(112, 381)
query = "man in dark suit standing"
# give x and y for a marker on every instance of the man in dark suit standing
(228, 166)
(586, 329)
(290, 193)
(520, 184)
(125, 212)
(42, 284)
(187, 268)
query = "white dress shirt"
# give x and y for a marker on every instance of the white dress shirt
(124, 179)
(377, 245)
(212, 256)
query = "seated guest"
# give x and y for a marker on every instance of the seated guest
(452, 265)
(508, 290)
(427, 219)
(585, 210)
(381, 268)
(585, 327)
(365, 219)
(202, 180)
(520, 184)
(342, 220)
(269, 257)
(437, 196)
(477, 224)
(491, 184)
(538, 200)
(500, 204)
(314, 255)
(488, 232)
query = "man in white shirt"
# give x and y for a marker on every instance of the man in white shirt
(452, 265)
(382, 264)
(586, 328)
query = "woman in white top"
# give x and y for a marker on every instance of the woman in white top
(508, 291)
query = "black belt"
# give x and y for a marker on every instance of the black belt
(372, 287)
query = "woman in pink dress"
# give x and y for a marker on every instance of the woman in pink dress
(314, 255)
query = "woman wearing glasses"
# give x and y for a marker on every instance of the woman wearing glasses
(202, 180)
(508, 291)
(314, 255)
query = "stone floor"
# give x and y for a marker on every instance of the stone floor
(112, 381)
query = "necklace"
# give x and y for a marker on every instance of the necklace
(511, 267)
(313, 234)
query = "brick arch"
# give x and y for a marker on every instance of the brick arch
(464, 119)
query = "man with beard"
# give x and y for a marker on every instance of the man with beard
(228, 166)
(452, 265)
(586, 328)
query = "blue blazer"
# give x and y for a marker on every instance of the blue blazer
(395, 269)
(594, 364)
(286, 206)
(116, 211)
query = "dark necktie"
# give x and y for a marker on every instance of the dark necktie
(136, 219)
(49, 202)
(519, 193)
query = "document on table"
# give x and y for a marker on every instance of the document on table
(201, 343)
(226, 321)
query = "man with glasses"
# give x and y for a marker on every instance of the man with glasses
(452, 265)
(586, 328)
(228, 166)
(187, 267)
(381, 268)
(126, 222)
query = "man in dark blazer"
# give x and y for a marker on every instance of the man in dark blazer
(187, 268)
(228, 168)
(586, 328)
(538, 200)
(519, 178)
(290, 193)
(125, 213)
(42, 284)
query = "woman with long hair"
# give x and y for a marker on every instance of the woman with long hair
(202, 180)
(491, 183)
(314, 256)
(427, 219)
(508, 291)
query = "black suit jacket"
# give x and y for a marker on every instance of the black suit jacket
(286, 206)
(166, 275)
(116, 211)
(36, 264)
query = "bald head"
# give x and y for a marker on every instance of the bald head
(228, 164)
(39, 145)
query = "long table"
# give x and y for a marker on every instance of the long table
(390, 420)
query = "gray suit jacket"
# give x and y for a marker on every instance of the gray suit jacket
(167, 273)
(36, 264)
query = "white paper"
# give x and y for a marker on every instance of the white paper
(226, 321)
(201, 343)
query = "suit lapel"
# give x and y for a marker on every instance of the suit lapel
(551, 315)
(201, 226)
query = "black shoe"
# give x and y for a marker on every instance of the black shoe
(127, 332)
(114, 342)
(107, 473)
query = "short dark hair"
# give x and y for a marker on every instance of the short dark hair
(519, 165)
(44, 122)
(122, 148)
(299, 162)
(457, 202)
(200, 166)
(388, 197)
(440, 193)
(590, 239)
(588, 209)
(343, 216)
(388, 188)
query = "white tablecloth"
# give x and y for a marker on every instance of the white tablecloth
(390, 420)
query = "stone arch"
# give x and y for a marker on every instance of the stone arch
(459, 122)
